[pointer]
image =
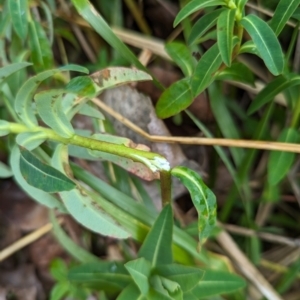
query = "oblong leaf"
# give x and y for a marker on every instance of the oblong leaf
(4, 128)
(49, 107)
(174, 99)
(23, 104)
(157, 247)
(282, 14)
(204, 24)
(31, 140)
(266, 42)
(225, 34)
(206, 68)
(140, 270)
(87, 207)
(43, 176)
(41, 53)
(114, 76)
(18, 12)
(181, 55)
(38, 195)
(203, 199)
(5, 171)
(193, 6)
(216, 283)
(280, 162)
(273, 88)
(8, 70)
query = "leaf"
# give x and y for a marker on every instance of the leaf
(49, 107)
(186, 277)
(23, 104)
(194, 6)
(4, 128)
(18, 16)
(36, 194)
(205, 70)
(282, 14)
(115, 76)
(157, 245)
(5, 171)
(203, 199)
(82, 85)
(237, 72)
(83, 205)
(273, 88)
(11, 69)
(110, 277)
(90, 111)
(73, 249)
(174, 99)
(280, 162)
(181, 55)
(216, 283)
(249, 47)
(41, 53)
(206, 22)
(140, 270)
(131, 292)
(266, 42)
(160, 289)
(31, 140)
(225, 26)
(43, 176)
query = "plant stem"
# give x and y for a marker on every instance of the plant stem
(155, 162)
(165, 187)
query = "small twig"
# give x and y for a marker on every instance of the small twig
(25, 241)
(263, 145)
(274, 238)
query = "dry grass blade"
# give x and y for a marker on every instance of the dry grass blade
(263, 145)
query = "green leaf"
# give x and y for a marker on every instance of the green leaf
(11, 69)
(36, 194)
(49, 107)
(23, 101)
(111, 277)
(203, 199)
(160, 289)
(249, 47)
(174, 99)
(206, 22)
(84, 86)
(43, 176)
(266, 42)
(41, 53)
(90, 111)
(5, 171)
(273, 88)
(131, 292)
(115, 76)
(237, 72)
(18, 14)
(280, 162)
(84, 206)
(282, 14)
(4, 128)
(225, 26)
(59, 290)
(193, 6)
(216, 283)
(73, 249)
(181, 55)
(186, 277)
(206, 69)
(140, 270)
(31, 140)
(157, 245)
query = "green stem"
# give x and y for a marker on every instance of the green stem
(165, 187)
(155, 162)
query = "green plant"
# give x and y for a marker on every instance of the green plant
(40, 103)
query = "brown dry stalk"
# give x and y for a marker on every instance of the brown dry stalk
(263, 145)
